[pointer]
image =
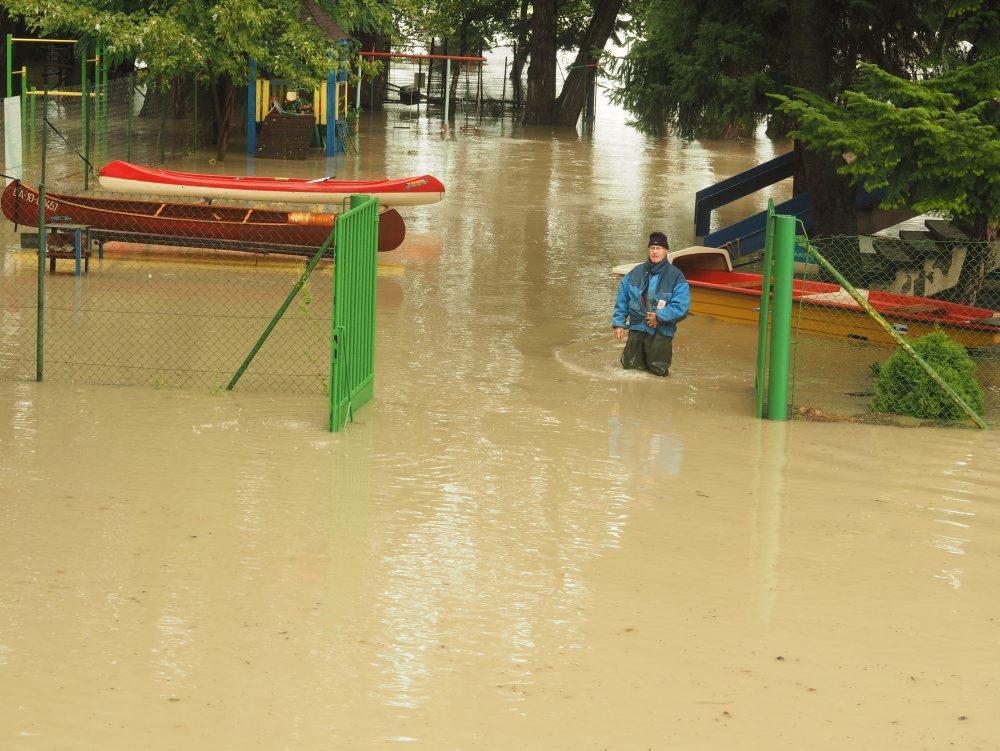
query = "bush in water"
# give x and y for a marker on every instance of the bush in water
(903, 388)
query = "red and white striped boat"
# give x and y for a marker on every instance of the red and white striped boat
(124, 177)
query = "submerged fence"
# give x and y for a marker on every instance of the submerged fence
(918, 285)
(126, 290)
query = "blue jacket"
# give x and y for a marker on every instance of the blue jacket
(671, 298)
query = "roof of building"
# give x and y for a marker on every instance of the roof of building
(331, 30)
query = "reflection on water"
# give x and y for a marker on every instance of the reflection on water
(517, 544)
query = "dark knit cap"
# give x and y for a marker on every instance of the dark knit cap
(658, 238)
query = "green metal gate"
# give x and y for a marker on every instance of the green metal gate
(352, 348)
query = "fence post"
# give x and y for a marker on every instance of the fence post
(781, 318)
(40, 333)
(84, 121)
(760, 377)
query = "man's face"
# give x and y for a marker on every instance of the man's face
(657, 253)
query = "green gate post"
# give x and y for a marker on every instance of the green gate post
(760, 379)
(781, 318)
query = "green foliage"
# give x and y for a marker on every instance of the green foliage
(177, 37)
(702, 69)
(705, 67)
(904, 388)
(932, 143)
(472, 24)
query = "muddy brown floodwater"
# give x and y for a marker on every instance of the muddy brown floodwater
(516, 545)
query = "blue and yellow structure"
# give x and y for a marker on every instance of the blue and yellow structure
(329, 106)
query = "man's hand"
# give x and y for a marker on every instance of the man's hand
(619, 333)
(651, 319)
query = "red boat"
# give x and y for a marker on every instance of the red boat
(826, 309)
(187, 224)
(124, 177)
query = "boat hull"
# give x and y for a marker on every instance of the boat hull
(200, 225)
(123, 177)
(826, 309)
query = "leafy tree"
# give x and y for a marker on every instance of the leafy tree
(468, 27)
(933, 144)
(592, 40)
(212, 38)
(582, 25)
(698, 67)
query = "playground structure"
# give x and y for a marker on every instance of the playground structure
(92, 88)
(922, 263)
(422, 84)
(747, 236)
(266, 98)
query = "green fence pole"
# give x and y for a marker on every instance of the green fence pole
(281, 311)
(40, 333)
(84, 122)
(33, 124)
(781, 318)
(24, 105)
(106, 100)
(97, 97)
(9, 70)
(765, 302)
(866, 306)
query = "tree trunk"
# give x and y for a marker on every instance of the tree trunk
(812, 27)
(574, 92)
(540, 106)
(223, 101)
(520, 57)
(979, 258)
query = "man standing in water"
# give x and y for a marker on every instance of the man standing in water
(652, 299)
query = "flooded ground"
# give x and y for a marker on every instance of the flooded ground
(516, 545)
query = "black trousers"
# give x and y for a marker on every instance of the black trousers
(652, 352)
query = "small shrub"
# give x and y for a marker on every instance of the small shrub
(903, 388)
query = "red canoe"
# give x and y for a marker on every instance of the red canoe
(186, 224)
(123, 177)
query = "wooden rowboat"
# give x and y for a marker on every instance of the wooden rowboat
(826, 309)
(190, 225)
(123, 177)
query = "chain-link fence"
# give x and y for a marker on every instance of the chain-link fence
(151, 291)
(472, 88)
(844, 362)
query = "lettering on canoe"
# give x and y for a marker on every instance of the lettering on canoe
(29, 197)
